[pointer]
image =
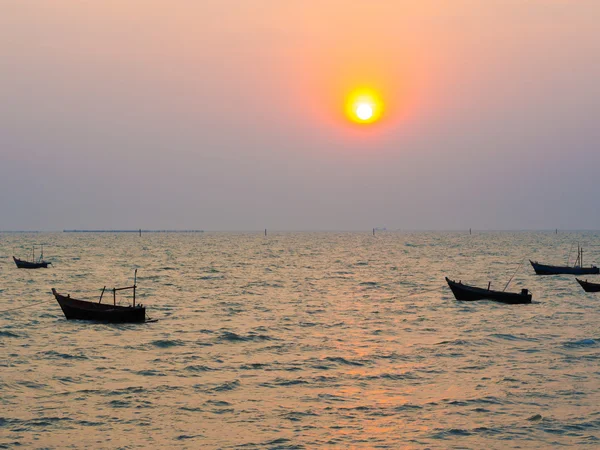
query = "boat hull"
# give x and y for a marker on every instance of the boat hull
(470, 293)
(589, 287)
(30, 265)
(99, 312)
(543, 269)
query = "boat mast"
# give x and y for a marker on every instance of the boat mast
(134, 286)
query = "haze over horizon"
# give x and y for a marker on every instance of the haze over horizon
(229, 115)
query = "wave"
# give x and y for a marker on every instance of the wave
(254, 366)
(229, 336)
(199, 368)
(393, 376)
(9, 334)
(510, 337)
(166, 343)
(580, 343)
(229, 386)
(284, 382)
(344, 361)
(150, 373)
(51, 354)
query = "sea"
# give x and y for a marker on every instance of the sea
(300, 340)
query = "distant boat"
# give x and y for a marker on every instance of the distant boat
(102, 312)
(34, 263)
(576, 269)
(471, 293)
(589, 287)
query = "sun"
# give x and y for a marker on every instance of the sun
(363, 106)
(364, 111)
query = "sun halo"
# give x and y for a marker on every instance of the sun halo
(363, 106)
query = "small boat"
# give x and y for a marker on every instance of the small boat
(589, 287)
(471, 293)
(543, 269)
(34, 263)
(22, 264)
(576, 269)
(102, 312)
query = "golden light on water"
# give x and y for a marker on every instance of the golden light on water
(364, 106)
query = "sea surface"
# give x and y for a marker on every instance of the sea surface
(300, 341)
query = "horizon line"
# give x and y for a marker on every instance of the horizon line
(379, 230)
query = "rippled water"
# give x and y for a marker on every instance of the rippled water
(300, 340)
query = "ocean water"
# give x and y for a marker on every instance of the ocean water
(300, 340)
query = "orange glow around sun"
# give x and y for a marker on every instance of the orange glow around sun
(364, 105)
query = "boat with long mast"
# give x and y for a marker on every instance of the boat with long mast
(38, 263)
(576, 269)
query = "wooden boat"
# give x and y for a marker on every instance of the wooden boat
(471, 293)
(576, 269)
(22, 264)
(543, 269)
(102, 312)
(589, 287)
(34, 263)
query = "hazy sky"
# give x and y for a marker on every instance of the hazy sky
(229, 114)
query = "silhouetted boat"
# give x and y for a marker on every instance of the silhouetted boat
(34, 263)
(21, 264)
(471, 293)
(589, 287)
(101, 312)
(576, 269)
(543, 269)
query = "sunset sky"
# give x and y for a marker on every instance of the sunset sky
(233, 115)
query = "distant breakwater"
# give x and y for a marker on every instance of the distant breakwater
(133, 231)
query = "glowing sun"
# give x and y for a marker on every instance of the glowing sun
(364, 111)
(364, 106)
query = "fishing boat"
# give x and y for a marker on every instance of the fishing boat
(470, 293)
(38, 263)
(589, 287)
(576, 269)
(102, 312)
